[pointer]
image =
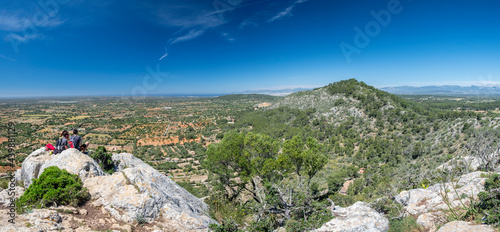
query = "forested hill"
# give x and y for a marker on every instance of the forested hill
(347, 142)
(397, 141)
(353, 98)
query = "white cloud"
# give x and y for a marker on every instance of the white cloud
(9, 22)
(193, 33)
(227, 37)
(7, 58)
(287, 11)
(164, 55)
(17, 22)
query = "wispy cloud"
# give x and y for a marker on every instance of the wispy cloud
(7, 58)
(227, 37)
(19, 21)
(14, 23)
(164, 55)
(11, 22)
(287, 12)
(193, 33)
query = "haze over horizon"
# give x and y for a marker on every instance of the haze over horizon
(111, 47)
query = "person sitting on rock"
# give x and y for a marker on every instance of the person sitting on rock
(62, 143)
(75, 140)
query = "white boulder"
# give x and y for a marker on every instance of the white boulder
(358, 217)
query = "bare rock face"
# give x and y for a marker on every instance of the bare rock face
(7, 195)
(358, 217)
(30, 168)
(470, 162)
(430, 221)
(420, 201)
(461, 226)
(138, 190)
(71, 160)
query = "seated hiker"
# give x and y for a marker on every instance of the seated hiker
(62, 143)
(75, 140)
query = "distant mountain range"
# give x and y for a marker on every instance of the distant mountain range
(444, 90)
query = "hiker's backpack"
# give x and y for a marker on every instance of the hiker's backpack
(71, 142)
(60, 145)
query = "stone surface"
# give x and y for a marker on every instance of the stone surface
(461, 226)
(137, 189)
(432, 220)
(71, 160)
(7, 194)
(470, 162)
(358, 217)
(420, 201)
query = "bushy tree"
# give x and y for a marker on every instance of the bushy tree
(279, 183)
(54, 187)
(489, 200)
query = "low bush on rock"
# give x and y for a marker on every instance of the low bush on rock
(104, 159)
(54, 186)
(489, 200)
(405, 224)
(225, 226)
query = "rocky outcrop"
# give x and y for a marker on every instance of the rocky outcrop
(135, 191)
(71, 160)
(471, 163)
(358, 217)
(432, 220)
(420, 201)
(461, 226)
(138, 190)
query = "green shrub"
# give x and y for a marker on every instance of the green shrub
(405, 224)
(140, 219)
(314, 221)
(266, 224)
(220, 209)
(54, 186)
(386, 206)
(4, 183)
(104, 159)
(489, 201)
(225, 226)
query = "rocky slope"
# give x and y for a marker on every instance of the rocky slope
(427, 205)
(135, 190)
(357, 217)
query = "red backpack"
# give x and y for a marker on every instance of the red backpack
(71, 145)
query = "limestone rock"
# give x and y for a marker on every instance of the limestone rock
(419, 201)
(356, 218)
(471, 162)
(30, 168)
(5, 198)
(461, 226)
(432, 220)
(137, 189)
(71, 160)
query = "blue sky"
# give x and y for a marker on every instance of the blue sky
(123, 47)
